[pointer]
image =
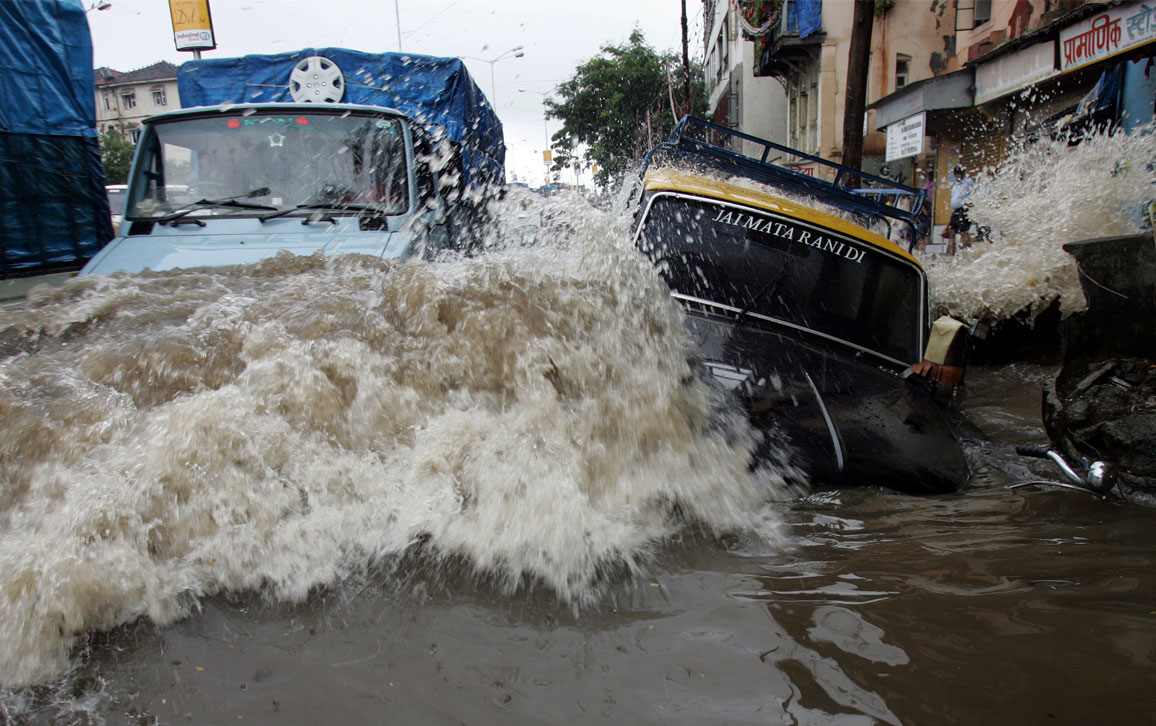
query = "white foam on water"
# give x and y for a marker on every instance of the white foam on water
(1044, 195)
(281, 427)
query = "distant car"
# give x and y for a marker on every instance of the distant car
(116, 197)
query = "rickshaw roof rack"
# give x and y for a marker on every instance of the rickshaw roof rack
(869, 199)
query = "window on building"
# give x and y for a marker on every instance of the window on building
(734, 114)
(107, 102)
(159, 97)
(982, 11)
(134, 134)
(128, 99)
(971, 13)
(720, 53)
(803, 110)
(902, 69)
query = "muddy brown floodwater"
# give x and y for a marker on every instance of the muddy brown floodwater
(490, 491)
(991, 606)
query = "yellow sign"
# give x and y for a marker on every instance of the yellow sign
(192, 25)
(547, 156)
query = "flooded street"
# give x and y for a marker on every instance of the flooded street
(444, 364)
(486, 491)
(989, 606)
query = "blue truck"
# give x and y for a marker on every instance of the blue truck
(329, 150)
(53, 211)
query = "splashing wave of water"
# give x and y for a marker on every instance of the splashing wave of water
(280, 427)
(1044, 195)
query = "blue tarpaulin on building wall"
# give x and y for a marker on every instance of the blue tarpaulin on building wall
(431, 90)
(807, 17)
(53, 209)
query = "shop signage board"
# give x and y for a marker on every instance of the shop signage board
(1104, 35)
(905, 138)
(192, 25)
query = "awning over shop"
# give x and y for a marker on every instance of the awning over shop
(953, 90)
(1015, 71)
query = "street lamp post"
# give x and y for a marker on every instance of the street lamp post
(517, 52)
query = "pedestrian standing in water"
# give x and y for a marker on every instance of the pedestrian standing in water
(960, 223)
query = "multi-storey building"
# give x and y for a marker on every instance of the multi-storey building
(1026, 68)
(809, 51)
(123, 100)
(737, 97)
(952, 81)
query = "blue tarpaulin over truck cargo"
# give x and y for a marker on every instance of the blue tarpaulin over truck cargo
(432, 91)
(53, 209)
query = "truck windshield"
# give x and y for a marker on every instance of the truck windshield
(792, 271)
(273, 160)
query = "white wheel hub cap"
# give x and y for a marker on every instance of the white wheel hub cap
(316, 80)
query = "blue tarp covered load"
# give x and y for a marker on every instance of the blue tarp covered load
(433, 91)
(53, 209)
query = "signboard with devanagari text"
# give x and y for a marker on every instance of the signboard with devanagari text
(1106, 34)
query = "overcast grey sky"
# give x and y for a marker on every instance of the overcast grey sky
(557, 36)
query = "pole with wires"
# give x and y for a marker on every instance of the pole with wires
(397, 15)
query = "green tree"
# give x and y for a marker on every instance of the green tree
(116, 153)
(619, 104)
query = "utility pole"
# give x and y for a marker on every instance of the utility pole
(688, 106)
(855, 102)
(397, 15)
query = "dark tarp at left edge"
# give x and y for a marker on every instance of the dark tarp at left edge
(53, 207)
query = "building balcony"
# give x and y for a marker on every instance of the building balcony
(793, 40)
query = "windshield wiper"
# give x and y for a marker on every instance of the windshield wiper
(225, 202)
(323, 206)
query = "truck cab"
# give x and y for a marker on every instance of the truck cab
(235, 182)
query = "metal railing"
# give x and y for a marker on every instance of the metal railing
(874, 196)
